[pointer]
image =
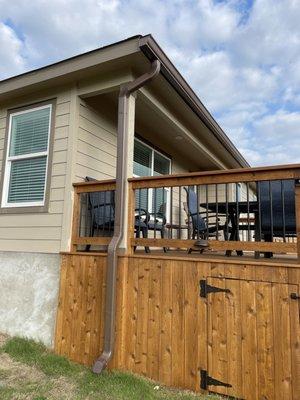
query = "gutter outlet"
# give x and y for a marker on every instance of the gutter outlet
(120, 212)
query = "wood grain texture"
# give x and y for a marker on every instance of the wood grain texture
(218, 245)
(213, 177)
(249, 337)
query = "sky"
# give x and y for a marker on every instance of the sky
(242, 58)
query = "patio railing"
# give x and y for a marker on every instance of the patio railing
(253, 210)
(246, 210)
(93, 214)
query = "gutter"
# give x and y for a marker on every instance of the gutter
(152, 51)
(120, 212)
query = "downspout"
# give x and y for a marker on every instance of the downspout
(120, 212)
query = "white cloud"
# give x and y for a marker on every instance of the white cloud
(204, 23)
(243, 62)
(12, 61)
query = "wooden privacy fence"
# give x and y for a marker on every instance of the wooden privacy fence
(226, 327)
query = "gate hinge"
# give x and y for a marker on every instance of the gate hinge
(205, 289)
(295, 296)
(206, 380)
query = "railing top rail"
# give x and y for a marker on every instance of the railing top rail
(94, 183)
(94, 186)
(291, 171)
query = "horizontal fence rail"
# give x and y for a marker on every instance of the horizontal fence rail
(253, 210)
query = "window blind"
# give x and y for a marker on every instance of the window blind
(27, 180)
(29, 132)
(142, 166)
(142, 160)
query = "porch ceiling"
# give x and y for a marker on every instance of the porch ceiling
(162, 130)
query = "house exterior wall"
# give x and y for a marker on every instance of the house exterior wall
(30, 242)
(28, 295)
(40, 232)
(96, 145)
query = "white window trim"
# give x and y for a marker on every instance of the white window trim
(153, 150)
(9, 159)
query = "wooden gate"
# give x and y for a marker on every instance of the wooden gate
(253, 339)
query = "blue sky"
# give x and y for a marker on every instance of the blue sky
(241, 57)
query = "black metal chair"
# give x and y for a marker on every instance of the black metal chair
(201, 227)
(277, 210)
(101, 206)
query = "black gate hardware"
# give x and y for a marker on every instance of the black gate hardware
(205, 289)
(295, 296)
(206, 380)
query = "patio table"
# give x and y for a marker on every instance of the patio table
(232, 210)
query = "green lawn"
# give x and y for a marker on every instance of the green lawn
(29, 371)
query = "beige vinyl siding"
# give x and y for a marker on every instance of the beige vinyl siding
(40, 232)
(97, 145)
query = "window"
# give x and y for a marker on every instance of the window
(27, 158)
(149, 162)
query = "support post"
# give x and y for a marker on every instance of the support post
(128, 154)
(297, 207)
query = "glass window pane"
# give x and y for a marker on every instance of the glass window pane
(161, 165)
(29, 132)
(142, 159)
(27, 180)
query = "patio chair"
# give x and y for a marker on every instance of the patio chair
(201, 227)
(102, 214)
(277, 210)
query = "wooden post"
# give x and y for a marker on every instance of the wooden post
(75, 220)
(297, 209)
(123, 246)
(131, 208)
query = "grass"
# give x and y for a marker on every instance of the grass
(29, 371)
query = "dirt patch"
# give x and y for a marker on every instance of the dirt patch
(3, 339)
(17, 376)
(62, 389)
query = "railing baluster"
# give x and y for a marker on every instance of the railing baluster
(171, 212)
(283, 209)
(226, 206)
(248, 212)
(297, 213)
(81, 215)
(155, 193)
(198, 210)
(139, 221)
(237, 212)
(112, 201)
(206, 195)
(179, 212)
(217, 213)
(271, 209)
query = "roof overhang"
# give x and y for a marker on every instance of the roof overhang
(152, 51)
(82, 65)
